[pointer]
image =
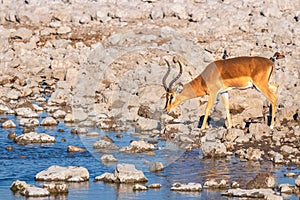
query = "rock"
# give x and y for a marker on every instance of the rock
(105, 146)
(75, 149)
(56, 188)
(146, 124)
(23, 111)
(214, 184)
(92, 134)
(59, 114)
(127, 173)
(259, 130)
(297, 181)
(157, 166)
(235, 184)
(49, 121)
(28, 190)
(138, 147)
(9, 148)
(253, 193)
(154, 186)
(286, 188)
(138, 186)
(253, 154)
(108, 158)
(288, 150)
(124, 173)
(9, 124)
(262, 180)
(32, 191)
(290, 174)
(12, 135)
(189, 187)
(13, 94)
(107, 177)
(232, 134)
(28, 122)
(18, 186)
(64, 30)
(22, 33)
(33, 137)
(69, 118)
(213, 149)
(58, 173)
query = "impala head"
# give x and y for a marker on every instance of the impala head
(173, 97)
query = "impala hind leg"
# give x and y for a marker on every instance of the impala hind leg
(226, 105)
(270, 94)
(209, 105)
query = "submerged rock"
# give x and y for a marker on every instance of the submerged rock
(33, 137)
(58, 173)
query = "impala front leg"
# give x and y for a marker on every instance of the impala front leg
(226, 105)
(209, 105)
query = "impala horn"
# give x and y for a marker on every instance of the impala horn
(175, 60)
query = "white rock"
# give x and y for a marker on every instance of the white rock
(215, 184)
(58, 173)
(286, 188)
(107, 177)
(69, 118)
(127, 173)
(138, 147)
(55, 188)
(33, 191)
(253, 193)
(297, 181)
(108, 158)
(49, 121)
(59, 114)
(23, 111)
(157, 166)
(138, 186)
(9, 124)
(34, 137)
(28, 122)
(64, 30)
(13, 94)
(189, 187)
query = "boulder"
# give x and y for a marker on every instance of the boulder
(254, 154)
(58, 173)
(189, 187)
(286, 188)
(28, 190)
(29, 122)
(33, 137)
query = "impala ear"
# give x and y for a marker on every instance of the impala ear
(179, 88)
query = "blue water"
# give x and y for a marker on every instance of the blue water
(25, 161)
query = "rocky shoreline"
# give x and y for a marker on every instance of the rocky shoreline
(100, 64)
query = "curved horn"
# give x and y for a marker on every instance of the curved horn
(166, 76)
(179, 74)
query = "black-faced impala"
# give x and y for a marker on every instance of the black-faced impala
(221, 76)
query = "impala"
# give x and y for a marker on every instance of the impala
(221, 76)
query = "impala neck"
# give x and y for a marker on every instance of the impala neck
(195, 88)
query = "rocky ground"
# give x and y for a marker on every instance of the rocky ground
(100, 64)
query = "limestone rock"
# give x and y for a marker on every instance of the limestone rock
(138, 186)
(58, 173)
(215, 184)
(127, 173)
(251, 193)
